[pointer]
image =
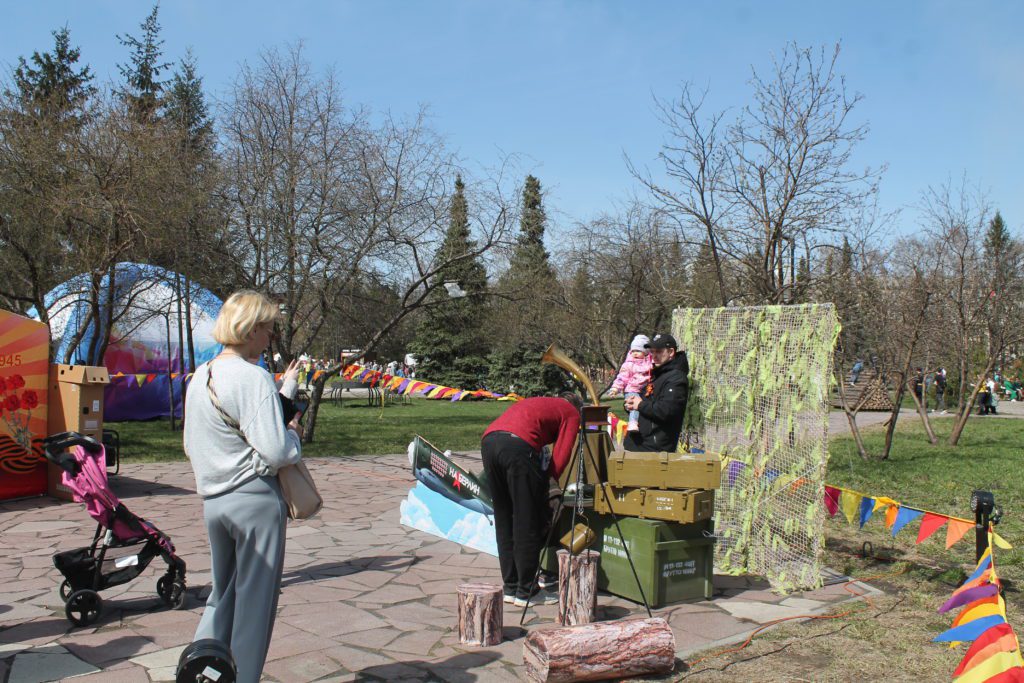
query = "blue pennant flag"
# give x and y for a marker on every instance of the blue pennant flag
(983, 567)
(969, 631)
(904, 517)
(867, 508)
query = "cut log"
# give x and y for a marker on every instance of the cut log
(595, 652)
(577, 587)
(480, 614)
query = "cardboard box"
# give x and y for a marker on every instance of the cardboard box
(75, 405)
(685, 506)
(665, 470)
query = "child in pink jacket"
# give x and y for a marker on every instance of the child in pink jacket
(634, 376)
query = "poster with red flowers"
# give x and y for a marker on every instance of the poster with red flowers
(24, 374)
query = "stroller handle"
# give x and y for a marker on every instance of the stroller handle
(56, 445)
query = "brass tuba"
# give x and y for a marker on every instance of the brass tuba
(557, 356)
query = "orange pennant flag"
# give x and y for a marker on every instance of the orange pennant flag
(890, 515)
(930, 524)
(956, 530)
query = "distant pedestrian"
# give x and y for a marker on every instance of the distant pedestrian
(940, 389)
(858, 367)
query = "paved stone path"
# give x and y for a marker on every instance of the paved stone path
(364, 598)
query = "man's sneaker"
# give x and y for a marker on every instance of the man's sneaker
(509, 598)
(541, 597)
(547, 581)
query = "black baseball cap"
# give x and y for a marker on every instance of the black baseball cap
(663, 341)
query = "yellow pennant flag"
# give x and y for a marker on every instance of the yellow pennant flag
(882, 502)
(999, 541)
(850, 503)
(986, 609)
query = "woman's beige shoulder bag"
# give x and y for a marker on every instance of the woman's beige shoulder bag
(297, 487)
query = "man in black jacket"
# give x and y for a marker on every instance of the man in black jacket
(662, 407)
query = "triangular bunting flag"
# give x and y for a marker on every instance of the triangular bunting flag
(1011, 675)
(904, 517)
(1000, 543)
(867, 508)
(850, 503)
(983, 567)
(832, 500)
(956, 530)
(890, 515)
(969, 631)
(991, 668)
(986, 607)
(930, 524)
(969, 595)
(997, 635)
(882, 501)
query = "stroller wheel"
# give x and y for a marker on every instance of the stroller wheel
(171, 591)
(206, 660)
(83, 607)
(65, 590)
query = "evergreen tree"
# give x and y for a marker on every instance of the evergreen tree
(143, 87)
(527, 320)
(999, 248)
(449, 342)
(53, 86)
(185, 107)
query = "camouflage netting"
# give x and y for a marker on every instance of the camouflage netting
(760, 380)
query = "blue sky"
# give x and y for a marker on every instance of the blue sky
(568, 85)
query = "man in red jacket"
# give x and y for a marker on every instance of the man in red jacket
(517, 472)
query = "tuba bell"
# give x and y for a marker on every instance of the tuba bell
(556, 356)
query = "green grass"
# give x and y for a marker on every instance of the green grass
(351, 429)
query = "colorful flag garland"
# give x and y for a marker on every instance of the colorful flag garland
(412, 387)
(994, 655)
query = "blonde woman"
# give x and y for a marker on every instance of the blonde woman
(236, 440)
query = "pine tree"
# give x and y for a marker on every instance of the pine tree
(527, 321)
(143, 86)
(53, 86)
(998, 249)
(185, 106)
(449, 342)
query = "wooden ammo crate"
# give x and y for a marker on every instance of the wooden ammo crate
(665, 470)
(685, 506)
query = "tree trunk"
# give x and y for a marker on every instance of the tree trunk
(594, 652)
(480, 614)
(924, 419)
(890, 428)
(577, 587)
(965, 411)
(314, 402)
(851, 416)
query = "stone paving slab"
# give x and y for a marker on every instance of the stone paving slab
(364, 598)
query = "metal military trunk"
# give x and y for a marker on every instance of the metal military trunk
(665, 470)
(685, 506)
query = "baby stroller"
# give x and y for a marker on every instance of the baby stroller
(123, 545)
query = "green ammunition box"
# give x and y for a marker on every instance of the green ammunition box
(665, 470)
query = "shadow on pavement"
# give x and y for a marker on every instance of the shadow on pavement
(329, 570)
(455, 669)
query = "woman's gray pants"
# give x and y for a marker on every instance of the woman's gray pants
(247, 531)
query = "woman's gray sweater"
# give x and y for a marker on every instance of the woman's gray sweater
(220, 458)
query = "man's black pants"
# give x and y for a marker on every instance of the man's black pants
(519, 492)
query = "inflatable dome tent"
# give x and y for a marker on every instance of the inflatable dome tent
(146, 312)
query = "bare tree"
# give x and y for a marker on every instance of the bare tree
(326, 207)
(982, 287)
(775, 181)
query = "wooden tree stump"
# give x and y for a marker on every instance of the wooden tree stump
(595, 652)
(577, 587)
(480, 614)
